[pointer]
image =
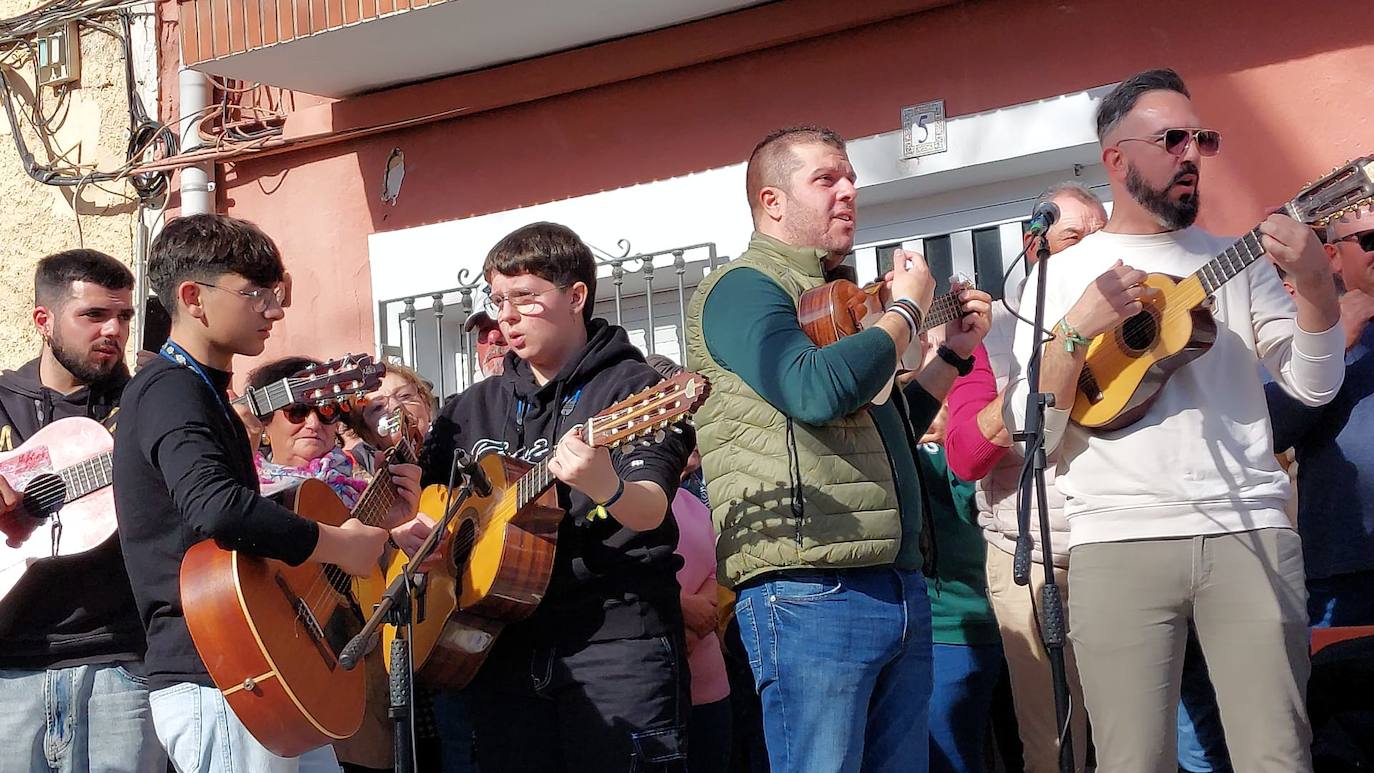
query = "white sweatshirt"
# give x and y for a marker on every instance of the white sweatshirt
(1201, 460)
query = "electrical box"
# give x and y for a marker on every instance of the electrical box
(59, 55)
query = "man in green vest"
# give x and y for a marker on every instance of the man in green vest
(815, 491)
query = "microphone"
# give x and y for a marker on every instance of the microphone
(481, 484)
(1044, 216)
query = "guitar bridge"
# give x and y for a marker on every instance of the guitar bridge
(1088, 386)
(308, 621)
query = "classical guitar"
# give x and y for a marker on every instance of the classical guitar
(841, 308)
(269, 634)
(64, 470)
(1126, 367)
(501, 555)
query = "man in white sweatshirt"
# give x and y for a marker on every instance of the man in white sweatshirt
(1179, 516)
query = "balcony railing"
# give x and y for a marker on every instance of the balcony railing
(649, 294)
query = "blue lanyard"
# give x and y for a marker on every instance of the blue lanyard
(173, 352)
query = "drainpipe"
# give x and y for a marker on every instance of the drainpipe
(197, 182)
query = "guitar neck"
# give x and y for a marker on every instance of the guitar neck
(380, 495)
(944, 309)
(1234, 259)
(84, 477)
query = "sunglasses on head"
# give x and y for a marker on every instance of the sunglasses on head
(1176, 141)
(328, 413)
(1363, 238)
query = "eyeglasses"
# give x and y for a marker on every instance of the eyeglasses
(1176, 141)
(524, 301)
(1364, 238)
(262, 297)
(329, 413)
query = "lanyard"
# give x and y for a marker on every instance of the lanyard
(172, 351)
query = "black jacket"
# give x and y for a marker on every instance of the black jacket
(73, 609)
(609, 582)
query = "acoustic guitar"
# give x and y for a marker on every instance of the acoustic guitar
(841, 308)
(269, 634)
(501, 555)
(1126, 367)
(64, 470)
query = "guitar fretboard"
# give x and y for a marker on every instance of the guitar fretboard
(533, 484)
(1217, 271)
(82, 478)
(380, 495)
(946, 308)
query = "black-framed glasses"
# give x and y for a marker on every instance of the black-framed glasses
(329, 413)
(262, 297)
(524, 301)
(1363, 238)
(1176, 141)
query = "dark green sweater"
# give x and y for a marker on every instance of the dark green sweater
(959, 609)
(817, 384)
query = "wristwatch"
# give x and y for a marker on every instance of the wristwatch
(963, 365)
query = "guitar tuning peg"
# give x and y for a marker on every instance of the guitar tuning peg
(660, 436)
(676, 429)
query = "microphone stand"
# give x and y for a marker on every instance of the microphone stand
(1051, 617)
(405, 592)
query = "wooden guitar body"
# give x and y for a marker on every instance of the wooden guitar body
(836, 310)
(270, 634)
(53, 470)
(1127, 367)
(495, 571)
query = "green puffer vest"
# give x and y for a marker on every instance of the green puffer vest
(843, 512)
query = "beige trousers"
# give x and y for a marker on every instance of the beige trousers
(1029, 665)
(1129, 618)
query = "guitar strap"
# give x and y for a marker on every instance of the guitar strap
(173, 352)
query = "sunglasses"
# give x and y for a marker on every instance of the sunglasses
(329, 413)
(1176, 141)
(1364, 238)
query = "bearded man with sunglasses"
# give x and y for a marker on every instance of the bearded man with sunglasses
(1179, 517)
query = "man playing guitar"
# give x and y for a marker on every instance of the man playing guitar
(1179, 517)
(815, 492)
(595, 680)
(70, 639)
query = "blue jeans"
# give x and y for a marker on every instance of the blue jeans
(455, 732)
(201, 735)
(961, 705)
(842, 664)
(72, 720)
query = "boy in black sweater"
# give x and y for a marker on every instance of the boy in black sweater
(183, 472)
(596, 679)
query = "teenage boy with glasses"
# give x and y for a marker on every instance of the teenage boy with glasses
(184, 472)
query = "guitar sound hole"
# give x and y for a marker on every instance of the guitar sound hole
(1140, 332)
(464, 538)
(44, 495)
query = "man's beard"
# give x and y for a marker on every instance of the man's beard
(83, 370)
(1172, 214)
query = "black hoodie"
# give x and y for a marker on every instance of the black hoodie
(609, 582)
(73, 609)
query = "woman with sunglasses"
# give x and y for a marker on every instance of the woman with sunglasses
(300, 442)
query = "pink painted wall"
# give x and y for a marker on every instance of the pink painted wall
(1293, 94)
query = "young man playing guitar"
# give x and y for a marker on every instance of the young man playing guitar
(815, 492)
(70, 639)
(594, 681)
(184, 473)
(1179, 516)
